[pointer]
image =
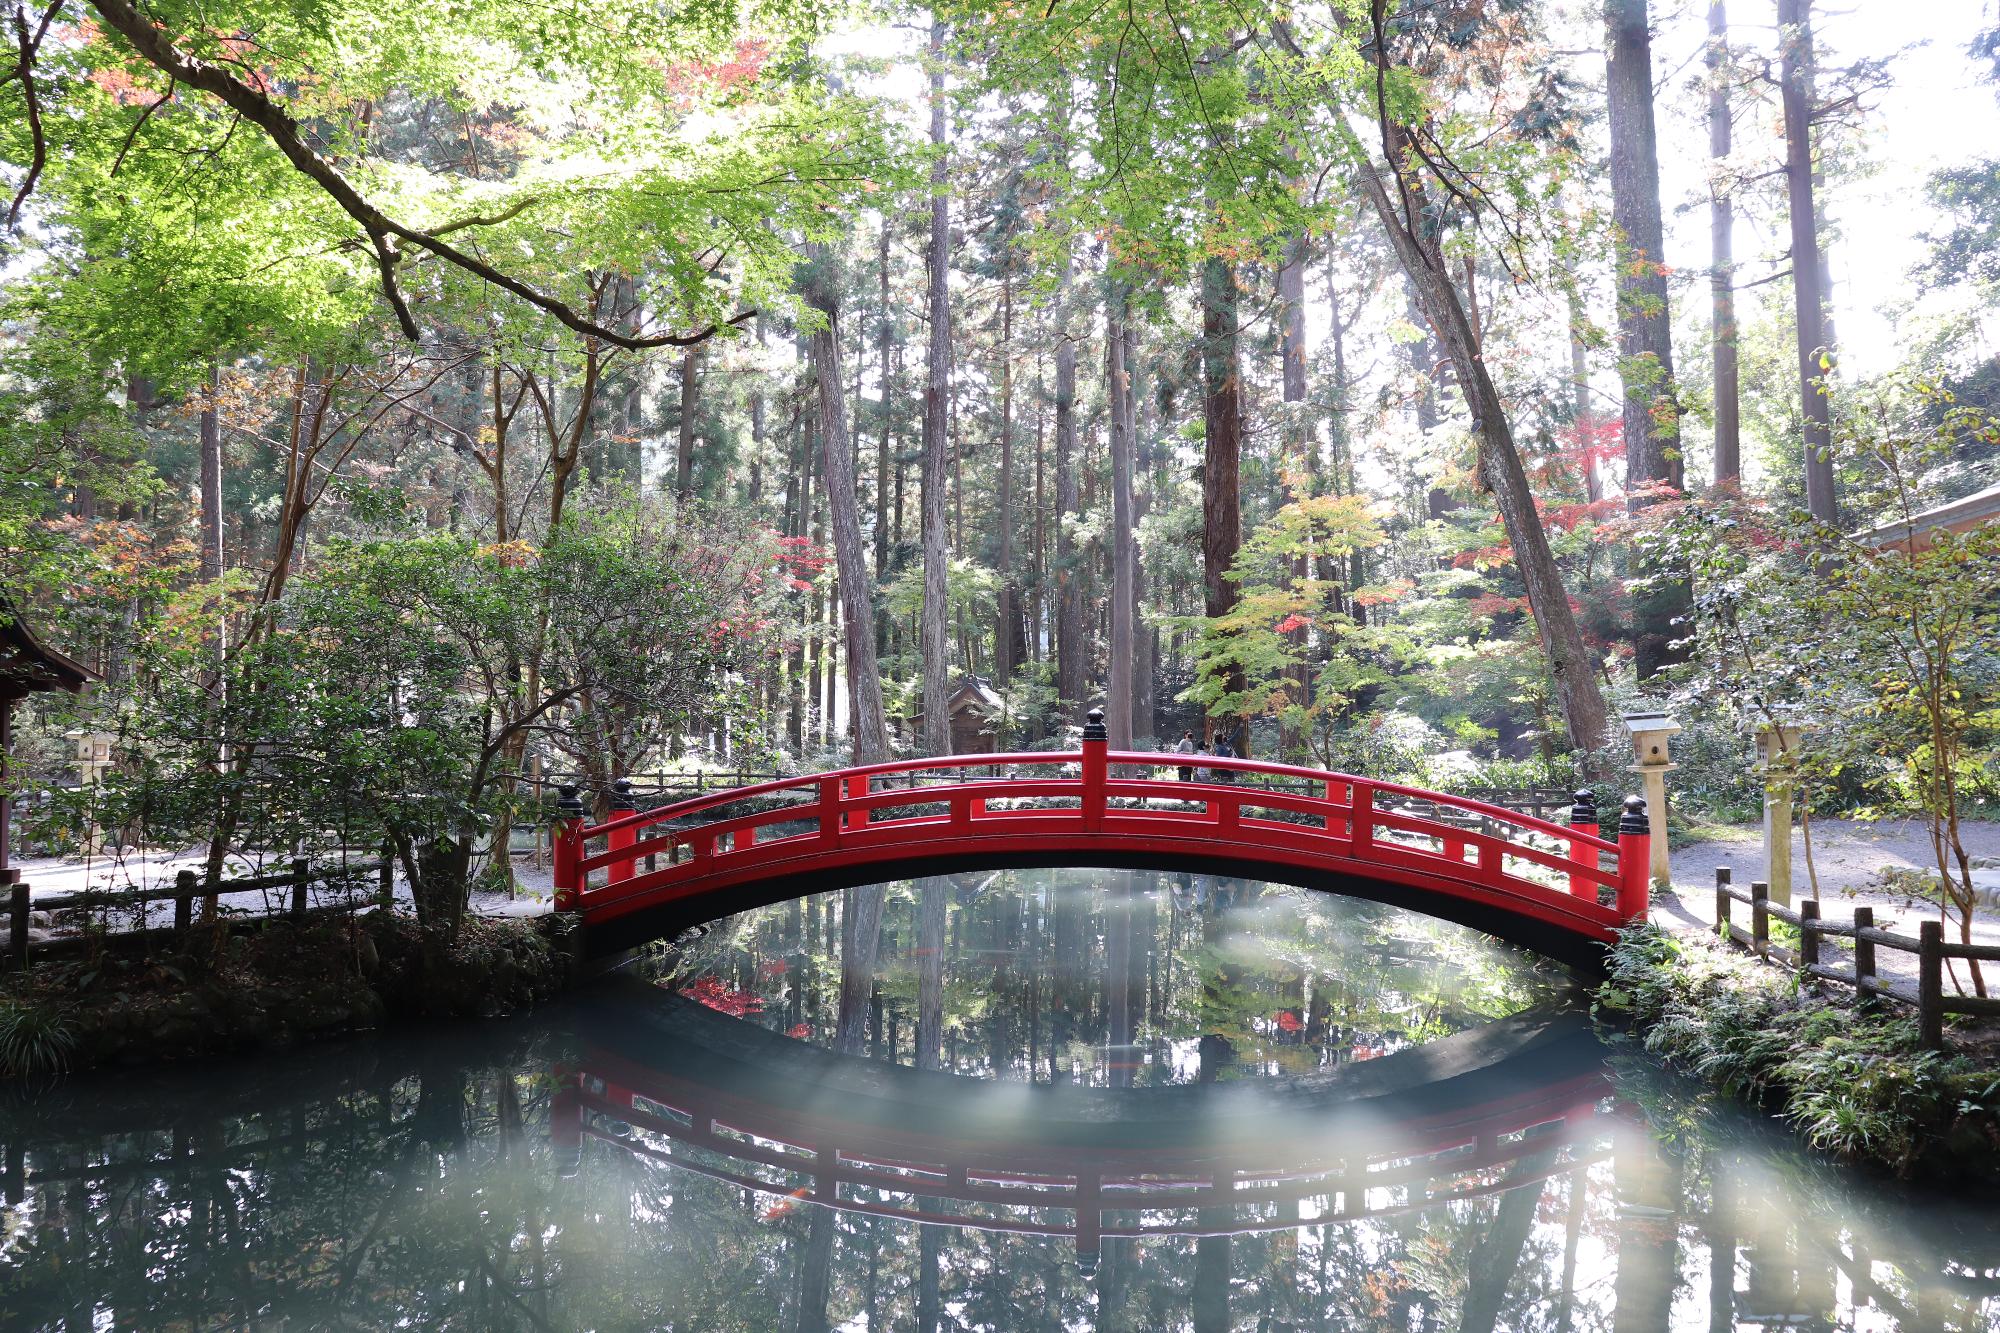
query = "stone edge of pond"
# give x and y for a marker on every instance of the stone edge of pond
(1850, 1080)
(273, 989)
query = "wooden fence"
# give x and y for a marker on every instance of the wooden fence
(1810, 958)
(297, 880)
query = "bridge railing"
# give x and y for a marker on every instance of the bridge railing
(1093, 791)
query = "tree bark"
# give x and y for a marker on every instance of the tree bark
(684, 451)
(1645, 336)
(1222, 429)
(1300, 447)
(882, 481)
(1006, 646)
(1120, 687)
(210, 543)
(1808, 290)
(1068, 573)
(1722, 258)
(933, 649)
(1572, 664)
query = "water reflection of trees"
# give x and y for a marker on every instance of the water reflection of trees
(428, 1195)
(1124, 978)
(417, 1183)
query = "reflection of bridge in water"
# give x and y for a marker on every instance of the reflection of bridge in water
(1473, 1114)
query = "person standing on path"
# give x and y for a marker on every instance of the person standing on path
(1186, 747)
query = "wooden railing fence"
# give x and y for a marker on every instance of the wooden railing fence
(1810, 958)
(296, 879)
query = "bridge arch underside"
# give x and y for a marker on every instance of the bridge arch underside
(622, 925)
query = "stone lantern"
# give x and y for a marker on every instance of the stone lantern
(93, 754)
(1778, 761)
(1652, 763)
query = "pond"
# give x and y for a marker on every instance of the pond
(1052, 1100)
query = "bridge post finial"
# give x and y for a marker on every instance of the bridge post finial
(622, 805)
(1096, 743)
(568, 840)
(1583, 819)
(1635, 870)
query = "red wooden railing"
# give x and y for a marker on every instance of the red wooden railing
(1087, 804)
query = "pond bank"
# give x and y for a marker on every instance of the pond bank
(1851, 1080)
(271, 989)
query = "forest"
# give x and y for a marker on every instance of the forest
(405, 408)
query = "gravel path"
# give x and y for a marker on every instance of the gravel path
(1849, 857)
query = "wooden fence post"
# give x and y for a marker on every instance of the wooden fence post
(301, 876)
(1760, 918)
(1722, 903)
(1864, 956)
(385, 883)
(184, 891)
(1808, 934)
(17, 924)
(1930, 983)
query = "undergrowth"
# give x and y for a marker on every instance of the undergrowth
(1852, 1082)
(35, 1039)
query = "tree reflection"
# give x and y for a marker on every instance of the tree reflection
(467, 1180)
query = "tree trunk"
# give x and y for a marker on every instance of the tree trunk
(1145, 639)
(933, 650)
(684, 450)
(210, 543)
(1068, 572)
(1120, 687)
(1646, 363)
(882, 482)
(1222, 423)
(1722, 265)
(1299, 463)
(1006, 655)
(1582, 411)
(1573, 665)
(1808, 291)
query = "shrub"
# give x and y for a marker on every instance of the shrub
(35, 1039)
(1855, 1083)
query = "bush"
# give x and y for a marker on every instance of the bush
(35, 1039)
(1855, 1083)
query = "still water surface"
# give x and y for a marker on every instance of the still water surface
(1054, 1100)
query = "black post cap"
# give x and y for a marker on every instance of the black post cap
(1634, 818)
(621, 795)
(1093, 726)
(569, 804)
(1585, 809)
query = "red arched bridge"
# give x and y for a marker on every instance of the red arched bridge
(1562, 890)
